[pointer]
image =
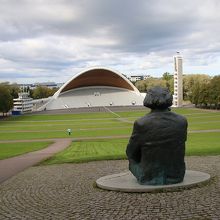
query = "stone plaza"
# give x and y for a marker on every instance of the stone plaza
(68, 191)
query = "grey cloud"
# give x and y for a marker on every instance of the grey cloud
(137, 26)
(134, 29)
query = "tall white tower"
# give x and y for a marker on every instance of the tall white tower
(178, 81)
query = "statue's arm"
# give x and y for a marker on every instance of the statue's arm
(186, 127)
(183, 126)
(133, 150)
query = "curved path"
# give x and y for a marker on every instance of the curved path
(14, 165)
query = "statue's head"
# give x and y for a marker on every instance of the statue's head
(158, 98)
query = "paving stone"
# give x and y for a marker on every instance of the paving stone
(67, 192)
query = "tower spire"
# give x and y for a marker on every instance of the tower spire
(178, 80)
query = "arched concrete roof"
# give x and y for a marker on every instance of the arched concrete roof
(97, 76)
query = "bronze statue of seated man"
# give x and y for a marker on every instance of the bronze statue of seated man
(156, 147)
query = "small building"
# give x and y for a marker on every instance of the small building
(22, 104)
(51, 85)
(135, 78)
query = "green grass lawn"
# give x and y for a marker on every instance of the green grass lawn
(106, 124)
(81, 116)
(203, 144)
(84, 151)
(14, 149)
(18, 128)
(198, 144)
(63, 133)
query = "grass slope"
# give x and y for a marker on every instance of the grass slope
(203, 144)
(14, 149)
(197, 145)
(84, 151)
(106, 124)
(18, 130)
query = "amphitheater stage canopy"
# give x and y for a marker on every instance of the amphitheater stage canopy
(95, 87)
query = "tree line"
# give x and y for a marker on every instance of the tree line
(8, 92)
(200, 89)
(204, 92)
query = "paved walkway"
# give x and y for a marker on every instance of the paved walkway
(67, 191)
(14, 165)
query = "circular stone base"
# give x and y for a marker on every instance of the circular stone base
(126, 182)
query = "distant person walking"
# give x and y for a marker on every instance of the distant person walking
(69, 130)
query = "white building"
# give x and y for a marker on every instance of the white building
(95, 87)
(135, 78)
(178, 81)
(23, 103)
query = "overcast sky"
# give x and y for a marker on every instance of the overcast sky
(51, 40)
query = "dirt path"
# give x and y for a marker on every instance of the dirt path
(11, 166)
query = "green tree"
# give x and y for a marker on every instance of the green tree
(193, 80)
(42, 92)
(141, 85)
(6, 99)
(204, 91)
(204, 95)
(168, 77)
(144, 85)
(194, 98)
(14, 90)
(214, 92)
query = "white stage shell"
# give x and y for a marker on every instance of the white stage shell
(95, 87)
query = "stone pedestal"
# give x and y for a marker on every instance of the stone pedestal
(126, 182)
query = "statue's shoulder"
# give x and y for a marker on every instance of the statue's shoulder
(143, 120)
(179, 117)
